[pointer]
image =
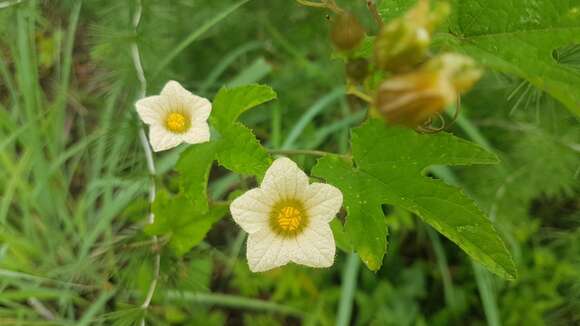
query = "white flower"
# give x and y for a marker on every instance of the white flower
(175, 116)
(287, 219)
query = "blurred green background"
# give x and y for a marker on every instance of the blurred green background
(73, 178)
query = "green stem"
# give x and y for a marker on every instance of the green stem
(299, 152)
(325, 4)
(312, 4)
(231, 301)
(356, 92)
(348, 289)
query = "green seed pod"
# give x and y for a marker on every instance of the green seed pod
(357, 69)
(347, 33)
(404, 42)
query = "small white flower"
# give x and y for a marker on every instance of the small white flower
(175, 116)
(287, 219)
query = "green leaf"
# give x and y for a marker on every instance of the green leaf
(237, 148)
(389, 9)
(185, 224)
(230, 103)
(341, 238)
(520, 37)
(193, 167)
(241, 152)
(388, 168)
(232, 144)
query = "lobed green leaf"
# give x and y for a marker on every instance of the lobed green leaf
(522, 38)
(230, 103)
(388, 168)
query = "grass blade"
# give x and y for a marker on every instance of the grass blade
(196, 34)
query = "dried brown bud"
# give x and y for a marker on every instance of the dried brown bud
(347, 33)
(357, 69)
(411, 99)
(404, 42)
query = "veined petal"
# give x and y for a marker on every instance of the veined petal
(161, 139)
(201, 108)
(197, 107)
(265, 250)
(152, 109)
(197, 133)
(322, 201)
(174, 89)
(251, 210)
(315, 246)
(284, 179)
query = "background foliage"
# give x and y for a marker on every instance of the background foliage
(73, 177)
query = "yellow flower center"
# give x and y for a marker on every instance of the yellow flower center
(177, 122)
(288, 218)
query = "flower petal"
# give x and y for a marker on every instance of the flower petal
(202, 109)
(284, 179)
(198, 107)
(197, 133)
(251, 210)
(161, 139)
(265, 250)
(315, 246)
(174, 89)
(152, 109)
(322, 201)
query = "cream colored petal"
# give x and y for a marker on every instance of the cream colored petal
(161, 139)
(251, 210)
(174, 89)
(197, 107)
(201, 108)
(265, 251)
(197, 133)
(322, 201)
(285, 180)
(315, 247)
(152, 109)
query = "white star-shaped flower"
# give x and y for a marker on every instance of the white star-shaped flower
(175, 116)
(288, 219)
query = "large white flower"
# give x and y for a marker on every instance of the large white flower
(175, 116)
(287, 219)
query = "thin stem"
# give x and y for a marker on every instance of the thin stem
(348, 290)
(312, 4)
(298, 152)
(41, 309)
(232, 301)
(376, 16)
(148, 156)
(324, 4)
(9, 3)
(352, 90)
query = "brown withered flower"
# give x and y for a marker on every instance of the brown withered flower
(411, 99)
(404, 42)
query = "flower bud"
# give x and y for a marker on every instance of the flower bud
(404, 42)
(411, 99)
(357, 69)
(347, 33)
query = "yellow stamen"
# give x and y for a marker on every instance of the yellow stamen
(288, 218)
(177, 122)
